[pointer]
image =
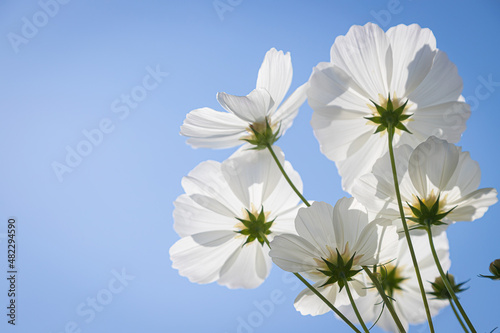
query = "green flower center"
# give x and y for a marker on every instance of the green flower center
(439, 288)
(338, 268)
(391, 279)
(255, 226)
(262, 134)
(388, 115)
(429, 211)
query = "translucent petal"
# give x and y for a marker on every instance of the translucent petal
(201, 256)
(275, 75)
(413, 52)
(247, 267)
(365, 54)
(251, 108)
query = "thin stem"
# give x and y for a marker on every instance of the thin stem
(386, 299)
(390, 131)
(286, 176)
(327, 302)
(317, 293)
(447, 283)
(355, 308)
(458, 317)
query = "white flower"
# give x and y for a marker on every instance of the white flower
(216, 243)
(208, 128)
(322, 231)
(434, 169)
(400, 283)
(369, 65)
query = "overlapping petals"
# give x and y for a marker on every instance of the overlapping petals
(322, 231)
(212, 247)
(407, 300)
(208, 128)
(434, 169)
(368, 65)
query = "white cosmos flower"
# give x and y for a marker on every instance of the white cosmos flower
(367, 65)
(322, 231)
(213, 245)
(208, 128)
(435, 168)
(400, 283)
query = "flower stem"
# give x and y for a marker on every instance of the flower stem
(447, 282)
(355, 308)
(386, 300)
(390, 131)
(270, 148)
(327, 302)
(458, 317)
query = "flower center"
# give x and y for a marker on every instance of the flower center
(389, 115)
(337, 267)
(428, 211)
(262, 134)
(441, 292)
(391, 279)
(254, 226)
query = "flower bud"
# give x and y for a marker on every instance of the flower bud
(494, 269)
(440, 291)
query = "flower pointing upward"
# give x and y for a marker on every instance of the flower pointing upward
(257, 118)
(373, 75)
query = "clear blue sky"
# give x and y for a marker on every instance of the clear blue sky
(102, 228)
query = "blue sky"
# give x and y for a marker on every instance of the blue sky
(100, 229)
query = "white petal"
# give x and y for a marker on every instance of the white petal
(213, 129)
(349, 220)
(368, 306)
(307, 303)
(446, 121)
(191, 218)
(287, 112)
(285, 221)
(206, 185)
(331, 89)
(252, 175)
(365, 53)
(201, 256)
(432, 165)
(281, 198)
(252, 108)
(441, 85)
(341, 133)
(386, 238)
(413, 52)
(294, 254)
(315, 224)
(376, 193)
(467, 176)
(275, 75)
(473, 206)
(361, 162)
(247, 267)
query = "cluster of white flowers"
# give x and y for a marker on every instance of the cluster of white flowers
(379, 89)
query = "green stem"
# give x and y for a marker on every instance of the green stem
(286, 176)
(358, 315)
(447, 283)
(390, 131)
(327, 302)
(458, 317)
(386, 299)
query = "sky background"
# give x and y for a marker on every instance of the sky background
(111, 213)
